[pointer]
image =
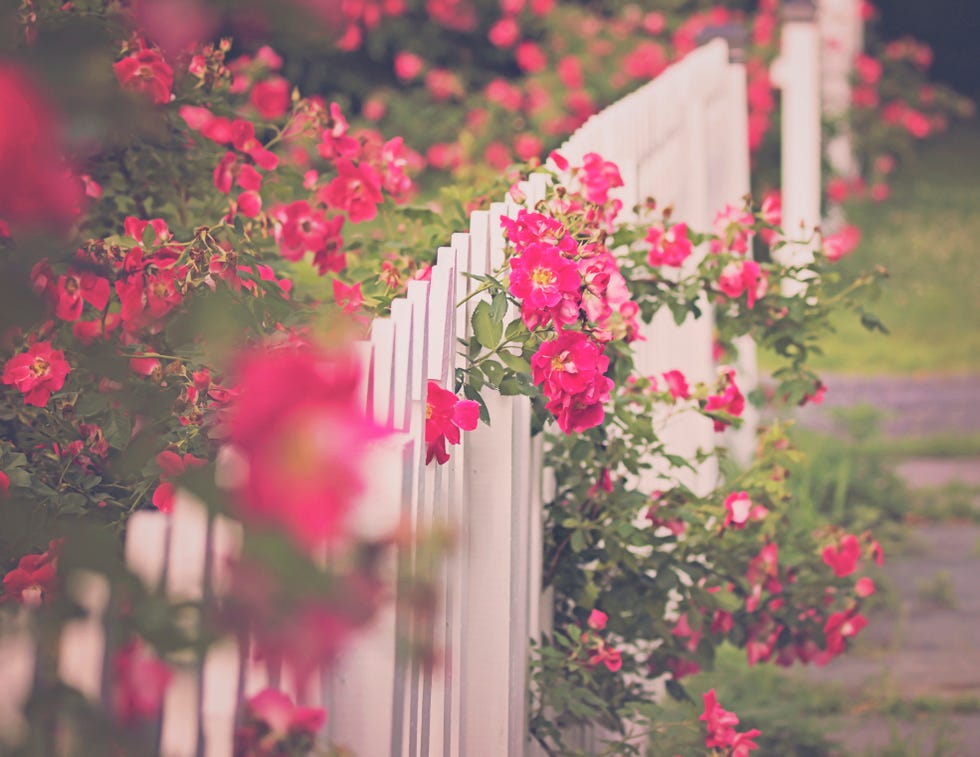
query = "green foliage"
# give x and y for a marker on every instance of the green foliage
(849, 481)
(925, 237)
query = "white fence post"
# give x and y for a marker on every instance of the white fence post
(729, 169)
(841, 40)
(798, 74)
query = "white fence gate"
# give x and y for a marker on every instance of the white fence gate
(682, 139)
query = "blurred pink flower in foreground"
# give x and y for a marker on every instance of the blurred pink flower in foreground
(37, 188)
(276, 726)
(297, 423)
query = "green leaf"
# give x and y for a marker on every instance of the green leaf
(498, 307)
(679, 462)
(515, 362)
(149, 236)
(486, 327)
(471, 393)
(72, 503)
(511, 386)
(419, 213)
(514, 328)
(90, 403)
(494, 371)
(118, 429)
(18, 477)
(577, 541)
(677, 691)
(871, 323)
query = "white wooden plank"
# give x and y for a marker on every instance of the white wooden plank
(18, 652)
(146, 546)
(418, 296)
(489, 531)
(520, 570)
(497, 240)
(800, 164)
(256, 674)
(220, 698)
(464, 284)
(363, 353)
(480, 242)
(382, 374)
(364, 678)
(181, 722)
(227, 537)
(401, 317)
(82, 646)
(439, 307)
(187, 549)
(537, 189)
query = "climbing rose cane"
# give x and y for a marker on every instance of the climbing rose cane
(720, 724)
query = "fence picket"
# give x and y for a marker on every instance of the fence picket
(19, 655)
(401, 317)
(220, 698)
(83, 643)
(364, 679)
(383, 371)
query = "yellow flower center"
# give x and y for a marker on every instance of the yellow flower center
(543, 276)
(39, 367)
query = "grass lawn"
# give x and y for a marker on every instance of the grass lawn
(928, 237)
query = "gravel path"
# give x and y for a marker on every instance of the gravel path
(910, 406)
(928, 645)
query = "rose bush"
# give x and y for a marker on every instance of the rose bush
(648, 581)
(167, 345)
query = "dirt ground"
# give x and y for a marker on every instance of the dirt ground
(925, 649)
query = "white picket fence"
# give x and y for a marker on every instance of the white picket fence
(681, 139)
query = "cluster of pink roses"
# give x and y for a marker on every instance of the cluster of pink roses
(575, 288)
(563, 84)
(810, 635)
(720, 724)
(599, 650)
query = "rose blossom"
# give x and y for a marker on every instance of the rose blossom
(297, 426)
(145, 70)
(729, 401)
(669, 247)
(37, 373)
(140, 681)
(570, 368)
(541, 277)
(739, 510)
(34, 579)
(273, 723)
(445, 416)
